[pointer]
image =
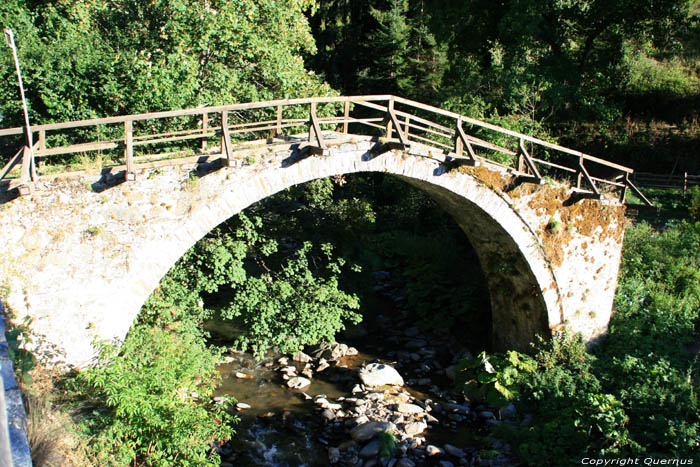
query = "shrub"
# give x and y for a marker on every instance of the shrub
(149, 402)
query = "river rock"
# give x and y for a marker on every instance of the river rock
(301, 357)
(454, 451)
(446, 464)
(371, 449)
(322, 365)
(415, 344)
(508, 411)
(486, 414)
(433, 450)
(457, 408)
(409, 408)
(241, 375)
(369, 430)
(328, 414)
(242, 406)
(405, 462)
(415, 428)
(351, 351)
(333, 455)
(284, 361)
(298, 382)
(379, 374)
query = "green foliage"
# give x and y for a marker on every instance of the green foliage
(387, 440)
(87, 58)
(23, 360)
(494, 383)
(572, 416)
(150, 401)
(637, 394)
(670, 79)
(694, 206)
(277, 298)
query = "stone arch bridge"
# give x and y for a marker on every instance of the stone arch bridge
(83, 250)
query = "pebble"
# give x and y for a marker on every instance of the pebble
(328, 414)
(487, 414)
(241, 375)
(433, 450)
(446, 464)
(242, 406)
(405, 462)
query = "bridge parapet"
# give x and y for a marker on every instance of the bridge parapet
(400, 121)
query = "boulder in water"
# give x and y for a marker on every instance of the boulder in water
(298, 382)
(379, 374)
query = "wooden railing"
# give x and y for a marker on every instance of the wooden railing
(652, 180)
(398, 122)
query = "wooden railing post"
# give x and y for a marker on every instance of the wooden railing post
(392, 124)
(623, 190)
(389, 120)
(317, 144)
(226, 147)
(129, 150)
(205, 127)
(535, 176)
(278, 125)
(579, 176)
(346, 116)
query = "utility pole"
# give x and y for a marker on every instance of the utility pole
(27, 171)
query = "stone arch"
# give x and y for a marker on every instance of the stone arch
(102, 297)
(517, 273)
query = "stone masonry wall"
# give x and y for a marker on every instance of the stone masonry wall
(83, 252)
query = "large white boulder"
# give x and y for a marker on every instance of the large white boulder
(379, 374)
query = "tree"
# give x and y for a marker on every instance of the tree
(569, 52)
(87, 58)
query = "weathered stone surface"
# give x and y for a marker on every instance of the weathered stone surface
(369, 430)
(409, 408)
(379, 374)
(371, 449)
(432, 450)
(415, 428)
(301, 357)
(111, 247)
(454, 451)
(298, 382)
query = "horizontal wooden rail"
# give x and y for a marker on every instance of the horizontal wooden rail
(401, 120)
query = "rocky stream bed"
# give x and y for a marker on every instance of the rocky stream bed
(335, 403)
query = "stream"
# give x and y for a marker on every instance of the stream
(338, 420)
